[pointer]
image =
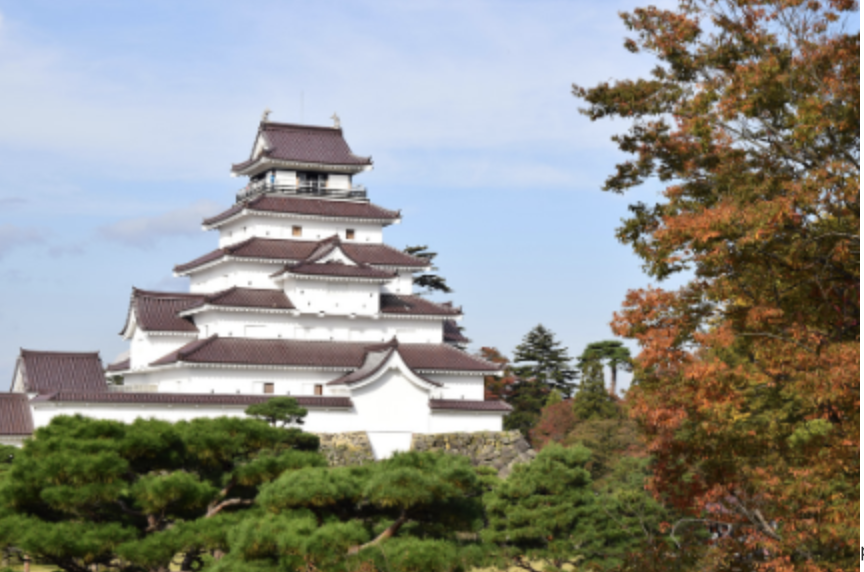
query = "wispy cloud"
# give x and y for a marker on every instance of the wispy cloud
(13, 237)
(12, 202)
(145, 232)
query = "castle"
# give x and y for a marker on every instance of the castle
(302, 297)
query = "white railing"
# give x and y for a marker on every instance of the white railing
(311, 189)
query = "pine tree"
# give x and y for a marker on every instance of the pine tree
(614, 354)
(546, 362)
(592, 401)
(431, 282)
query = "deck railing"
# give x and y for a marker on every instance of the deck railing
(356, 192)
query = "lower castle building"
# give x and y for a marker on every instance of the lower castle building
(302, 298)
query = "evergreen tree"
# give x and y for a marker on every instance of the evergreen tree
(546, 362)
(429, 281)
(614, 354)
(87, 492)
(278, 411)
(527, 399)
(592, 401)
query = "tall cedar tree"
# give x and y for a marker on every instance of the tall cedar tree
(614, 354)
(429, 282)
(749, 374)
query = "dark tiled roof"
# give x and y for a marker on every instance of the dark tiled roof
(47, 372)
(376, 358)
(188, 399)
(15, 415)
(338, 269)
(157, 311)
(250, 298)
(309, 207)
(305, 144)
(412, 305)
(122, 365)
(452, 333)
(468, 405)
(343, 355)
(298, 250)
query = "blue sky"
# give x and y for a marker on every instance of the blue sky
(119, 122)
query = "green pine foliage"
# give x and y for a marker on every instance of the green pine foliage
(87, 492)
(592, 401)
(410, 512)
(278, 411)
(545, 361)
(527, 399)
(612, 353)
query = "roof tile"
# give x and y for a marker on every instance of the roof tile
(15, 415)
(305, 144)
(188, 398)
(298, 250)
(47, 372)
(342, 355)
(308, 207)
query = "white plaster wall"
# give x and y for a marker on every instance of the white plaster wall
(317, 421)
(146, 348)
(403, 284)
(338, 181)
(13, 440)
(312, 327)
(312, 296)
(465, 421)
(238, 381)
(392, 403)
(459, 386)
(234, 273)
(281, 227)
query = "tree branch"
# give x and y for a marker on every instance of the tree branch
(388, 533)
(213, 510)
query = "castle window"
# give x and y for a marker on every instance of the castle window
(349, 234)
(269, 388)
(319, 390)
(296, 231)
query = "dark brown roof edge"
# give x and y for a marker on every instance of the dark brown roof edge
(188, 398)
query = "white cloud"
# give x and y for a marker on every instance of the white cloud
(13, 237)
(145, 232)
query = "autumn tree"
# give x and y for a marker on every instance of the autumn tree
(749, 373)
(497, 386)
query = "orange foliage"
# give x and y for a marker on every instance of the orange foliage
(748, 376)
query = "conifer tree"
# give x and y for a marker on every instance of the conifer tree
(429, 281)
(592, 401)
(546, 361)
(614, 354)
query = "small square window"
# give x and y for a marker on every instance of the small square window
(269, 388)
(296, 231)
(349, 234)
(319, 390)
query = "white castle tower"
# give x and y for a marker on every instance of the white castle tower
(302, 297)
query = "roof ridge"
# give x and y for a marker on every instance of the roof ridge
(279, 125)
(25, 352)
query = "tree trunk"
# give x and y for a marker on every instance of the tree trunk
(613, 383)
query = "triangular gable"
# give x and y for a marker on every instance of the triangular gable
(377, 362)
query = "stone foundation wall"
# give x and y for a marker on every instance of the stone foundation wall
(501, 450)
(343, 449)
